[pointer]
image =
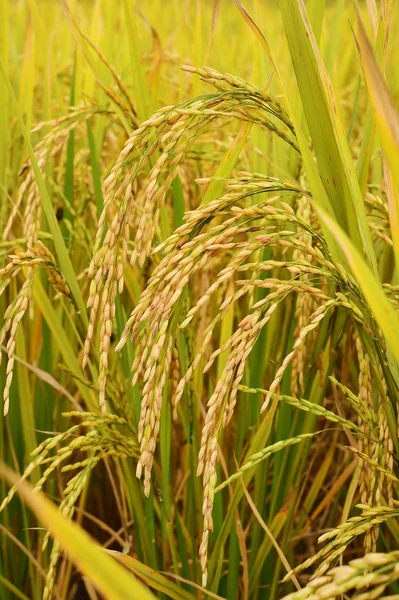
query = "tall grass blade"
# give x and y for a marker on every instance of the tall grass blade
(330, 144)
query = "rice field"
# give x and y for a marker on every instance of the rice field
(199, 299)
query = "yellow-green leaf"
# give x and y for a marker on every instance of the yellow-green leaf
(386, 117)
(329, 140)
(151, 577)
(109, 577)
(383, 311)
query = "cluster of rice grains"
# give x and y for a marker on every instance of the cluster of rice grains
(37, 257)
(225, 227)
(170, 132)
(25, 217)
(221, 245)
(51, 149)
(375, 446)
(339, 539)
(373, 573)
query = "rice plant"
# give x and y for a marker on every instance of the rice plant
(200, 299)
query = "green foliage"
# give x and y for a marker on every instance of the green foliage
(199, 283)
